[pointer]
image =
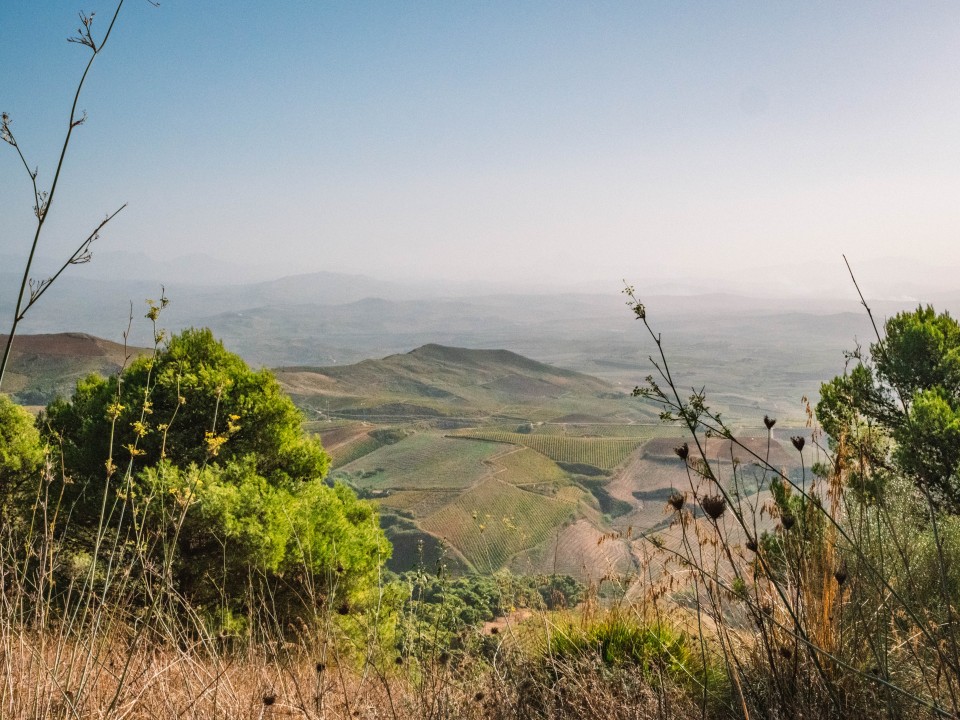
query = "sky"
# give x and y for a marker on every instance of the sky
(499, 141)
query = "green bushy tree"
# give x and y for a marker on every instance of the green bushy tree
(22, 458)
(897, 412)
(191, 402)
(206, 462)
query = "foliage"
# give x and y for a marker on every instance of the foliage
(441, 612)
(22, 457)
(474, 599)
(620, 638)
(236, 525)
(221, 486)
(190, 403)
(898, 410)
(847, 606)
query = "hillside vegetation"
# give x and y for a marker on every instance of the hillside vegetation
(45, 366)
(440, 436)
(423, 432)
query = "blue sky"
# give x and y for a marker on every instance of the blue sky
(497, 140)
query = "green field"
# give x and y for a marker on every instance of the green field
(493, 521)
(419, 503)
(353, 450)
(603, 453)
(423, 460)
(524, 466)
(595, 430)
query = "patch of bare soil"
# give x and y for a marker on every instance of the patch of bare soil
(65, 344)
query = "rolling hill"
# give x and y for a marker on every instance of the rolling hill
(44, 366)
(435, 381)
(483, 458)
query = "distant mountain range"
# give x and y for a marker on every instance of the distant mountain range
(752, 352)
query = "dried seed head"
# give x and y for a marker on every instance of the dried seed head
(478, 696)
(713, 505)
(344, 609)
(676, 501)
(788, 521)
(840, 574)
(682, 451)
(752, 545)
(269, 699)
(798, 442)
(769, 422)
(786, 652)
(321, 667)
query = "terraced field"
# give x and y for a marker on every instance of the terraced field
(352, 450)
(493, 521)
(423, 461)
(720, 450)
(578, 549)
(524, 466)
(603, 453)
(597, 430)
(419, 503)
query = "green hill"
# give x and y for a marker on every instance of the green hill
(486, 458)
(438, 381)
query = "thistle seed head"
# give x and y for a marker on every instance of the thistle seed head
(713, 505)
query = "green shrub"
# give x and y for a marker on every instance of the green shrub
(22, 458)
(618, 638)
(200, 466)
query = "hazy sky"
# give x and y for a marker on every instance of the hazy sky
(496, 140)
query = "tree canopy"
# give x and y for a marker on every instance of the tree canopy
(191, 402)
(204, 453)
(21, 456)
(897, 411)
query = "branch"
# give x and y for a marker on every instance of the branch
(80, 256)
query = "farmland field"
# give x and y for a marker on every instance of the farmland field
(578, 549)
(493, 521)
(524, 466)
(423, 460)
(418, 502)
(353, 449)
(596, 430)
(604, 453)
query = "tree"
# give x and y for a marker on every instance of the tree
(206, 462)
(898, 410)
(21, 458)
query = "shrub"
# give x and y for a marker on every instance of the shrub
(21, 457)
(200, 465)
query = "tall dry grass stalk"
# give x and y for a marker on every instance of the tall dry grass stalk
(821, 602)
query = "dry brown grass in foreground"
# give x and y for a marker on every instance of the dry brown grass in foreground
(47, 678)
